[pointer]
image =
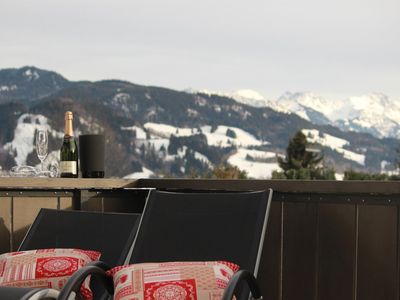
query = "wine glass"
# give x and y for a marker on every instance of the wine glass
(41, 145)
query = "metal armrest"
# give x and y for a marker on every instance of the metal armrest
(18, 293)
(97, 270)
(42, 294)
(237, 280)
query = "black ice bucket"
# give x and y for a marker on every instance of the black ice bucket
(91, 154)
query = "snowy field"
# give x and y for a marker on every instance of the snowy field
(24, 136)
(160, 134)
(257, 164)
(336, 144)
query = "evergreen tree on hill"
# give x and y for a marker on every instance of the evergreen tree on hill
(297, 156)
(301, 163)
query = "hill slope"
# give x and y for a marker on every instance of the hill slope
(159, 131)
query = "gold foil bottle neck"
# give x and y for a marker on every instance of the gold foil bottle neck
(68, 115)
(68, 131)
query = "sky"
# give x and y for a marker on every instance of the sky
(336, 48)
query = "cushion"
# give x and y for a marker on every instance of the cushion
(45, 268)
(172, 280)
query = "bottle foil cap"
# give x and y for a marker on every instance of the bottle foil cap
(68, 115)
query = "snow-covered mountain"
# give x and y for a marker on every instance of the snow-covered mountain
(29, 84)
(162, 132)
(245, 96)
(376, 113)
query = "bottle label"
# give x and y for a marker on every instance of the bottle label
(68, 167)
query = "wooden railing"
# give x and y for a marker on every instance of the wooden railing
(325, 239)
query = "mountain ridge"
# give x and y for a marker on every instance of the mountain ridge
(123, 111)
(375, 113)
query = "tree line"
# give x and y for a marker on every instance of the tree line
(303, 160)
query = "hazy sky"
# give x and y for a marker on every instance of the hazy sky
(335, 48)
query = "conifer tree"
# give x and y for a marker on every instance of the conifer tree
(301, 163)
(297, 156)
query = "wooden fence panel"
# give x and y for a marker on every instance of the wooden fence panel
(5, 228)
(299, 250)
(269, 274)
(336, 251)
(377, 271)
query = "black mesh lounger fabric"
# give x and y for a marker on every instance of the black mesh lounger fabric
(110, 233)
(203, 226)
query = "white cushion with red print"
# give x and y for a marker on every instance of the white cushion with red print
(45, 268)
(172, 281)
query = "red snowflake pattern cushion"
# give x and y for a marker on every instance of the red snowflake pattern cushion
(172, 280)
(47, 268)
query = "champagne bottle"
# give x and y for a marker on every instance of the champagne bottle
(69, 150)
